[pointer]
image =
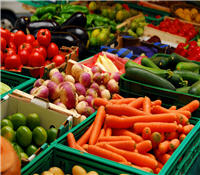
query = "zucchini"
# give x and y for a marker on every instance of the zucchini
(195, 88)
(159, 72)
(177, 80)
(146, 77)
(188, 66)
(183, 89)
(163, 62)
(149, 63)
(191, 77)
(178, 58)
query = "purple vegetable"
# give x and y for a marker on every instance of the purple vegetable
(115, 76)
(106, 77)
(91, 92)
(42, 92)
(76, 71)
(38, 82)
(53, 90)
(95, 69)
(98, 78)
(46, 82)
(81, 106)
(80, 89)
(89, 111)
(81, 98)
(69, 78)
(113, 86)
(85, 79)
(57, 77)
(33, 90)
(52, 71)
(96, 87)
(89, 100)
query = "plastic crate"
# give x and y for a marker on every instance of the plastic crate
(16, 81)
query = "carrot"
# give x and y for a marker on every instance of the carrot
(171, 135)
(137, 103)
(122, 109)
(187, 128)
(128, 145)
(117, 96)
(163, 147)
(136, 158)
(100, 102)
(156, 137)
(71, 140)
(126, 163)
(80, 148)
(162, 136)
(182, 119)
(155, 126)
(146, 133)
(144, 146)
(143, 168)
(108, 132)
(92, 149)
(102, 133)
(124, 132)
(192, 106)
(164, 158)
(160, 165)
(180, 128)
(157, 170)
(85, 137)
(114, 138)
(182, 137)
(122, 101)
(98, 123)
(147, 105)
(174, 143)
(85, 147)
(157, 153)
(156, 102)
(117, 122)
(150, 155)
(172, 108)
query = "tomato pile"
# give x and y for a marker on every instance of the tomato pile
(18, 49)
(177, 27)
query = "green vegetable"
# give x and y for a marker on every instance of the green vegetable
(46, 16)
(149, 63)
(177, 80)
(188, 66)
(40, 11)
(163, 62)
(4, 88)
(183, 89)
(73, 9)
(178, 58)
(195, 88)
(34, 18)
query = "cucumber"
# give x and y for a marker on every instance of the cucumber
(195, 88)
(191, 77)
(178, 58)
(149, 63)
(183, 89)
(177, 80)
(188, 66)
(146, 77)
(159, 72)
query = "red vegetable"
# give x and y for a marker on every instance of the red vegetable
(44, 37)
(36, 59)
(12, 62)
(52, 50)
(3, 44)
(19, 38)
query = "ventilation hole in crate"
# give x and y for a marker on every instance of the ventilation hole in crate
(62, 165)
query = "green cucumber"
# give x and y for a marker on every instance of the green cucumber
(191, 77)
(183, 89)
(146, 77)
(159, 72)
(195, 88)
(178, 58)
(177, 80)
(149, 63)
(188, 66)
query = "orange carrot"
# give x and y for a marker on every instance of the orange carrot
(85, 137)
(157, 170)
(155, 126)
(146, 133)
(122, 109)
(157, 153)
(71, 140)
(156, 137)
(143, 168)
(100, 102)
(92, 149)
(182, 119)
(85, 147)
(126, 163)
(180, 128)
(156, 102)
(137, 103)
(160, 165)
(144, 146)
(182, 137)
(162, 136)
(117, 96)
(164, 158)
(124, 132)
(98, 123)
(136, 158)
(172, 108)
(114, 138)
(192, 106)
(122, 101)
(80, 148)
(128, 145)
(102, 133)
(150, 155)
(174, 143)
(171, 135)
(117, 122)
(108, 132)
(147, 105)
(187, 128)
(163, 147)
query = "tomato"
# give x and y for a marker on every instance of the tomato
(42, 51)
(36, 59)
(35, 44)
(47, 62)
(26, 46)
(2, 58)
(12, 61)
(11, 37)
(5, 34)
(30, 38)
(44, 37)
(8, 52)
(24, 56)
(58, 59)
(52, 50)
(3, 44)
(19, 38)
(12, 45)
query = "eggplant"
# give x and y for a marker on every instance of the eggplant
(77, 19)
(14, 30)
(22, 23)
(78, 31)
(46, 24)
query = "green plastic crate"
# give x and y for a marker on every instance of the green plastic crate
(16, 81)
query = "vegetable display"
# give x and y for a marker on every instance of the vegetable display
(136, 132)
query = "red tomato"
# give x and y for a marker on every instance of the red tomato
(24, 56)
(19, 38)
(26, 46)
(12, 45)
(12, 61)
(42, 51)
(36, 59)
(30, 38)
(35, 44)
(5, 34)
(52, 50)
(44, 37)
(47, 62)
(3, 44)
(58, 59)
(2, 59)
(8, 52)
(11, 37)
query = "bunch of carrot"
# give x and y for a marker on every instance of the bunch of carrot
(135, 131)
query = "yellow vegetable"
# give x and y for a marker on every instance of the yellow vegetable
(47, 173)
(92, 173)
(56, 171)
(186, 11)
(78, 170)
(197, 19)
(194, 12)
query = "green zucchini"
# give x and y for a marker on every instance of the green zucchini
(159, 72)
(183, 89)
(163, 62)
(177, 80)
(178, 58)
(195, 88)
(188, 66)
(146, 77)
(191, 77)
(149, 63)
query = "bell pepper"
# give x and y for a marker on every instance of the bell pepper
(46, 16)
(34, 18)
(46, 9)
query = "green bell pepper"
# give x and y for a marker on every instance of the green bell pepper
(46, 16)
(34, 18)
(43, 10)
